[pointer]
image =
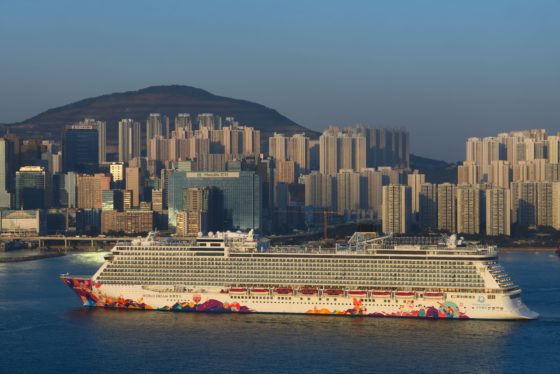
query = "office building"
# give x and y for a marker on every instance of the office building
(80, 149)
(89, 190)
(33, 188)
(7, 172)
(134, 184)
(238, 193)
(128, 222)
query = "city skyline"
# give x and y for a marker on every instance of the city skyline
(423, 67)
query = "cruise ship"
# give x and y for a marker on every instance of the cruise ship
(388, 276)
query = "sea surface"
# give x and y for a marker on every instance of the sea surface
(43, 328)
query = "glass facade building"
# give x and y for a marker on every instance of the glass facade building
(32, 188)
(240, 196)
(80, 149)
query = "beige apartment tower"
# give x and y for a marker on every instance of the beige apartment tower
(498, 212)
(468, 209)
(396, 209)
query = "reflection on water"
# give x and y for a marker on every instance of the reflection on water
(42, 325)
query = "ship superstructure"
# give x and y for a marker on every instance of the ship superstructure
(378, 276)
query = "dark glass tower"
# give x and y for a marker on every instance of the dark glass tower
(80, 149)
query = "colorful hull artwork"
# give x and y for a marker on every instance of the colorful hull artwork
(91, 296)
(447, 309)
(84, 289)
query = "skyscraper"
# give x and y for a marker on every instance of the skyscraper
(183, 121)
(468, 209)
(498, 211)
(80, 148)
(339, 150)
(239, 193)
(447, 207)
(117, 174)
(347, 191)
(428, 207)
(524, 203)
(319, 191)
(396, 209)
(133, 181)
(130, 145)
(415, 181)
(32, 188)
(156, 126)
(7, 167)
(90, 189)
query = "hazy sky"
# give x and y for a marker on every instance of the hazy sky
(445, 70)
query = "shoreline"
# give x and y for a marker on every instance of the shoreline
(528, 250)
(31, 257)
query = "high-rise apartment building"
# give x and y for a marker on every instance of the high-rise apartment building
(468, 173)
(415, 181)
(498, 211)
(347, 191)
(130, 144)
(428, 207)
(339, 151)
(544, 204)
(386, 147)
(183, 121)
(524, 203)
(396, 209)
(371, 191)
(447, 207)
(499, 173)
(319, 190)
(468, 209)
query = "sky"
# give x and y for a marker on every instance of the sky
(445, 70)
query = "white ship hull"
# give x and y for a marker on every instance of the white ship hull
(473, 306)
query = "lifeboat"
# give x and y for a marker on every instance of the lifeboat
(333, 292)
(434, 295)
(403, 294)
(238, 291)
(357, 293)
(259, 291)
(308, 291)
(381, 293)
(283, 291)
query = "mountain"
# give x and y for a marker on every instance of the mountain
(168, 100)
(436, 171)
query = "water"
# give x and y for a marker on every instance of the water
(44, 329)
